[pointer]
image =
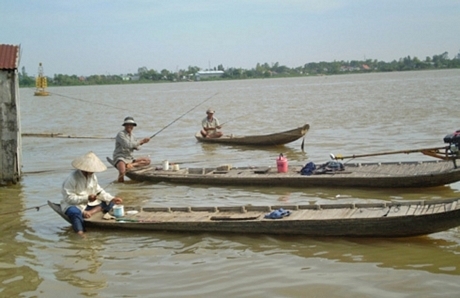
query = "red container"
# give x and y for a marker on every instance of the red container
(282, 164)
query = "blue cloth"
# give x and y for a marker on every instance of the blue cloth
(308, 169)
(276, 214)
(76, 216)
(334, 166)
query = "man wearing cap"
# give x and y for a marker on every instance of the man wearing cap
(82, 195)
(210, 126)
(125, 144)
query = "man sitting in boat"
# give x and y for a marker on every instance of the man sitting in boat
(82, 195)
(210, 126)
(125, 144)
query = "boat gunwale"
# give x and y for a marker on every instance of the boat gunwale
(441, 174)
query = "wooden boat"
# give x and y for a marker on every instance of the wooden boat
(387, 219)
(259, 140)
(365, 175)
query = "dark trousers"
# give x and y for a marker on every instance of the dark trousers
(76, 216)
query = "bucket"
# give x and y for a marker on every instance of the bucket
(165, 165)
(175, 167)
(118, 211)
(282, 164)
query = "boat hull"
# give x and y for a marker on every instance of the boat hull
(365, 175)
(393, 219)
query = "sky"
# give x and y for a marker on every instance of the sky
(113, 37)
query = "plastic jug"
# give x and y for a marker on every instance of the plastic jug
(118, 211)
(282, 164)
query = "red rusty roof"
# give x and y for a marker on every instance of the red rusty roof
(9, 56)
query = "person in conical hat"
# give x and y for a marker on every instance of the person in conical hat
(82, 194)
(210, 125)
(89, 163)
(125, 144)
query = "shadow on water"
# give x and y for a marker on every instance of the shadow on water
(238, 150)
(18, 273)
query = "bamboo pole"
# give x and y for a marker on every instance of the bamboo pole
(59, 135)
(427, 151)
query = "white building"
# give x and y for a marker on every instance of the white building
(205, 74)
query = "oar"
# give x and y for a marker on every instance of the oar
(339, 156)
(184, 114)
(307, 126)
(303, 141)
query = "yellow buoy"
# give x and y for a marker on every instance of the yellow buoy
(41, 83)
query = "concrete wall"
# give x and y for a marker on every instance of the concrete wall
(10, 128)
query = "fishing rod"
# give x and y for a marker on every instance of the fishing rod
(24, 209)
(232, 120)
(183, 115)
(38, 207)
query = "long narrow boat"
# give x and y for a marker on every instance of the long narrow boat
(387, 219)
(274, 139)
(365, 175)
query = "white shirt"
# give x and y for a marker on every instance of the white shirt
(76, 189)
(210, 124)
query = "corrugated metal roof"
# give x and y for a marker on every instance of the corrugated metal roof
(9, 56)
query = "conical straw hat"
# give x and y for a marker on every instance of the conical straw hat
(89, 163)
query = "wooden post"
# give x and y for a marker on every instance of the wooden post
(10, 124)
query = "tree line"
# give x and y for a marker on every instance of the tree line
(265, 70)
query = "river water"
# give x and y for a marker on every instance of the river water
(40, 256)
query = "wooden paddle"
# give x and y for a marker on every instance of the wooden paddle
(427, 151)
(303, 140)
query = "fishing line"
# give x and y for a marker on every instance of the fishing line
(87, 101)
(124, 109)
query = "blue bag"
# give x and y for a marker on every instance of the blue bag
(308, 169)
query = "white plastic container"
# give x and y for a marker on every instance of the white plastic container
(118, 211)
(165, 165)
(175, 167)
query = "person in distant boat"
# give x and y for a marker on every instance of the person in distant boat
(82, 195)
(125, 144)
(211, 126)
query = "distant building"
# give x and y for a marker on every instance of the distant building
(205, 74)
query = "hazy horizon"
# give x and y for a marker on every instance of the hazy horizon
(118, 37)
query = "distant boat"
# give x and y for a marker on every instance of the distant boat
(386, 219)
(273, 139)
